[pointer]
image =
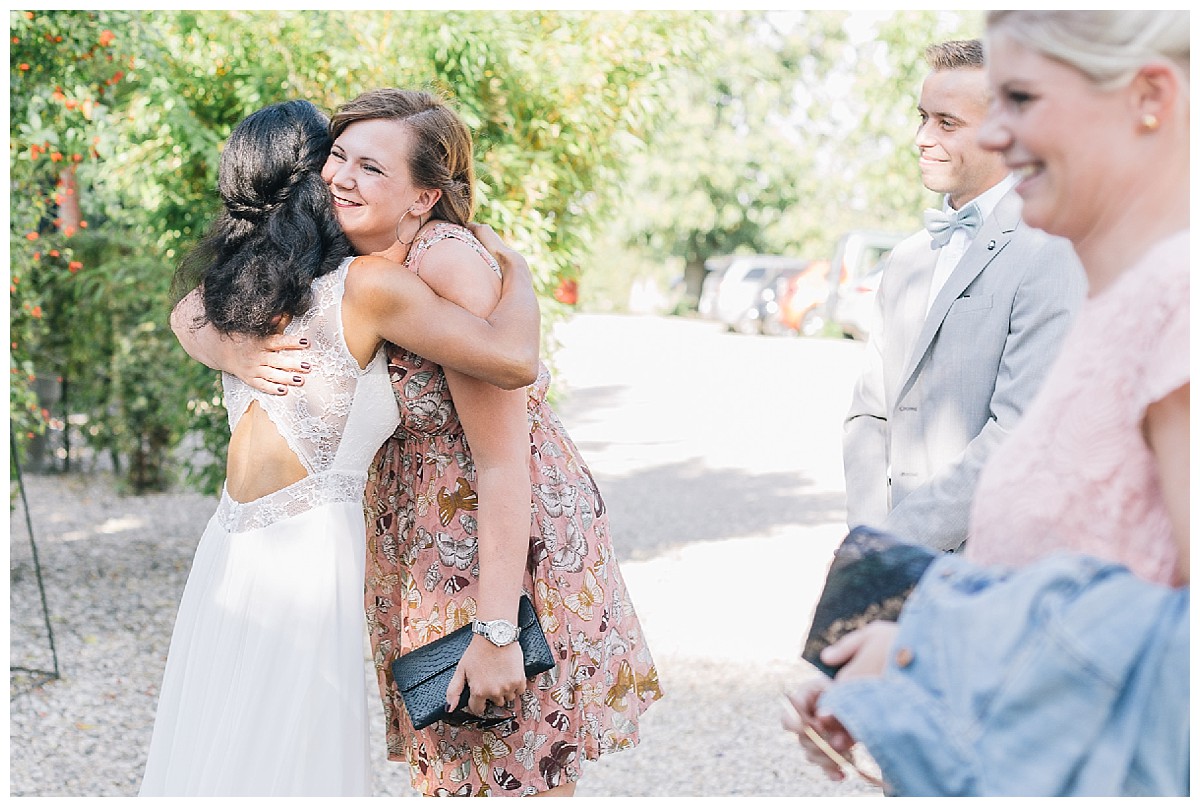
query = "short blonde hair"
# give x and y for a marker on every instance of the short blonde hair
(1106, 46)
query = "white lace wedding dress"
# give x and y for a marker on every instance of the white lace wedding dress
(264, 691)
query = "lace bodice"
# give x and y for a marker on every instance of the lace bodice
(334, 423)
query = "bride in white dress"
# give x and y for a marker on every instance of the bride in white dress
(264, 691)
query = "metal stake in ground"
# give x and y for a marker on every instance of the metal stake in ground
(40, 676)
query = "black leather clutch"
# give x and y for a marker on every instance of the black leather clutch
(423, 675)
(870, 578)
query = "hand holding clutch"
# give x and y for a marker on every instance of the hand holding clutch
(870, 578)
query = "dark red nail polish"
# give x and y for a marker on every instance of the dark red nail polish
(297, 379)
(303, 343)
(305, 365)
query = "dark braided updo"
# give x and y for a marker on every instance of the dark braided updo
(277, 232)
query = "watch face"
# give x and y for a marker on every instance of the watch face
(501, 633)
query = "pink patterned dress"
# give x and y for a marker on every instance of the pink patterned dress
(1076, 473)
(422, 577)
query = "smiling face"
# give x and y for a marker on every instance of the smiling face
(952, 106)
(1059, 133)
(369, 176)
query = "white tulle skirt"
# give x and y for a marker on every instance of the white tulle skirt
(264, 691)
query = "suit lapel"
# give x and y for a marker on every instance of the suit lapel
(996, 231)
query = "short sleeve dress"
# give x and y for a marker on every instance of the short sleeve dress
(1076, 474)
(422, 579)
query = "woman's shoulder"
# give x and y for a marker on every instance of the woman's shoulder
(451, 245)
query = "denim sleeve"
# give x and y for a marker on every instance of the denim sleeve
(1044, 681)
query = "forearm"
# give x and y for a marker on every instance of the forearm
(503, 530)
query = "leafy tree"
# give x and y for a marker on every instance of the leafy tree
(794, 129)
(145, 100)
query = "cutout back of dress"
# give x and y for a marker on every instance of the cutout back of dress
(333, 424)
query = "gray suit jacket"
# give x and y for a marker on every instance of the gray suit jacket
(939, 392)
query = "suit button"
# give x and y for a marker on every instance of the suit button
(904, 657)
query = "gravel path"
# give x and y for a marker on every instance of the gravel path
(718, 457)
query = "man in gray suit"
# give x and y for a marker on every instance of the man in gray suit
(969, 316)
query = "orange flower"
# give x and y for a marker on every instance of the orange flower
(68, 231)
(58, 95)
(29, 15)
(16, 40)
(82, 224)
(71, 103)
(53, 253)
(74, 266)
(106, 38)
(37, 256)
(23, 66)
(34, 151)
(31, 236)
(36, 312)
(55, 156)
(77, 157)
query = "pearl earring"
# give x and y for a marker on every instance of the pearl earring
(1150, 122)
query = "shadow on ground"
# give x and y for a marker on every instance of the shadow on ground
(682, 503)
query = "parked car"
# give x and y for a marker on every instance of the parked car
(733, 287)
(857, 303)
(795, 305)
(856, 255)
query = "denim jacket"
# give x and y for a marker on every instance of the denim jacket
(1067, 677)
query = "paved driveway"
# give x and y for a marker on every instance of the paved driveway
(719, 457)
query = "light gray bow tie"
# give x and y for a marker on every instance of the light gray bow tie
(942, 225)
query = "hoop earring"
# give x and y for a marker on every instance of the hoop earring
(414, 238)
(1149, 122)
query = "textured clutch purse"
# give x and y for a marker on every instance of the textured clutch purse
(423, 674)
(871, 576)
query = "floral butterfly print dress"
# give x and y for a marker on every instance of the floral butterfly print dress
(422, 579)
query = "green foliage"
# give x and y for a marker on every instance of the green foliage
(793, 128)
(557, 100)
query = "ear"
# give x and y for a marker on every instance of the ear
(1155, 90)
(425, 201)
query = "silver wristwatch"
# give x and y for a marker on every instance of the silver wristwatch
(499, 632)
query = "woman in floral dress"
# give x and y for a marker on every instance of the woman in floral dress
(480, 496)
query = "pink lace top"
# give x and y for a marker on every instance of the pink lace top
(1076, 473)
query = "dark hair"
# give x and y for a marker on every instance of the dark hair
(955, 55)
(278, 230)
(442, 156)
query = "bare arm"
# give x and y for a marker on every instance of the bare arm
(1167, 429)
(496, 426)
(502, 350)
(270, 364)
(399, 307)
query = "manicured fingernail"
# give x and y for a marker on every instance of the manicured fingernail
(282, 390)
(305, 365)
(297, 379)
(303, 343)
